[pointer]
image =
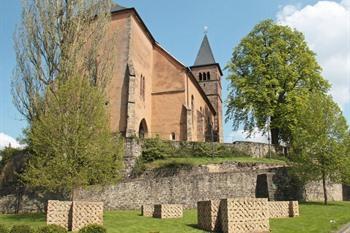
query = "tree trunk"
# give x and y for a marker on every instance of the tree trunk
(275, 136)
(324, 188)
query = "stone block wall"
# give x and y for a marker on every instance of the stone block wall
(85, 213)
(283, 209)
(244, 215)
(74, 215)
(59, 213)
(168, 211)
(147, 210)
(314, 191)
(208, 216)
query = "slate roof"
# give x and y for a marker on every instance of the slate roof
(205, 55)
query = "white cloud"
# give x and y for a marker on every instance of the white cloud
(326, 26)
(240, 135)
(6, 140)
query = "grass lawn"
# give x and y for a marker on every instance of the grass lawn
(196, 161)
(315, 218)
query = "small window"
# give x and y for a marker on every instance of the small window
(204, 76)
(142, 87)
(200, 76)
(173, 136)
(208, 75)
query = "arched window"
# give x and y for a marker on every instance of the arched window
(200, 76)
(142, 87)
(208, 75)
(143, 129)
(204, 76)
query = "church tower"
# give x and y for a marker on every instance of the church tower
(208, 73)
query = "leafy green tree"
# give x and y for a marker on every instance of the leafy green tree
(271, 69)
(71, 144)
(65, 58)
(320, 142)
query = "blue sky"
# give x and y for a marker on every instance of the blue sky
(178, 27)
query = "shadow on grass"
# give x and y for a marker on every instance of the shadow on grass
(30, 217)
(195, 226)
(321, 204)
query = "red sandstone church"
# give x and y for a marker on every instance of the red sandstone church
(152, 93)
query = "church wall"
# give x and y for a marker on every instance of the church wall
(168, 97)
(200, 106)
(141, 56)
(118, 86)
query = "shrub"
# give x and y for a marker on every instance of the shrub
(22, 229)
(93, 228)
(52, 229)
(155, 148)
(4, 229)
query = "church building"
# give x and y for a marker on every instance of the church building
(153, 94)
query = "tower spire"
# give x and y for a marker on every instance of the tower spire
(205, 55)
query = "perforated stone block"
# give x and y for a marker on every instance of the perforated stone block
(59, 213)
(147, 210)
(168, 211)
(244, 215)
(208, 215)
(293, 208)
(85, 213)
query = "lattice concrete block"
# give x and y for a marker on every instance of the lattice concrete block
(59, 213)
(168, 211)
(244, 215)
(279, 209)
(85, 213)
(293, 208)
(208, 215)
(283, 209)
(147, 210)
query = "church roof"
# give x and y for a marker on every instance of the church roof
(205, 55)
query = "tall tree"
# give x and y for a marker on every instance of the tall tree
(320, 142)
(60, 39)
(73, 148)
(270, 70)
(65, 58)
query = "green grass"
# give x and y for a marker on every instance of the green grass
(315, 218)
(196, 161)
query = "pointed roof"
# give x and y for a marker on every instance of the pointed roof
(205, 55)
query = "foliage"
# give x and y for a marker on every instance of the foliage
(6, 154)
(320, 141)
(155, 148)
(131, 222)
(4, 229)
(71, 144)
(93, 228)
(51, 229)
(57, 40)
(23, 228)
(270, 72)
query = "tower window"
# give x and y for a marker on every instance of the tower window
(204, 76)
(200, 76)
(208, 75)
